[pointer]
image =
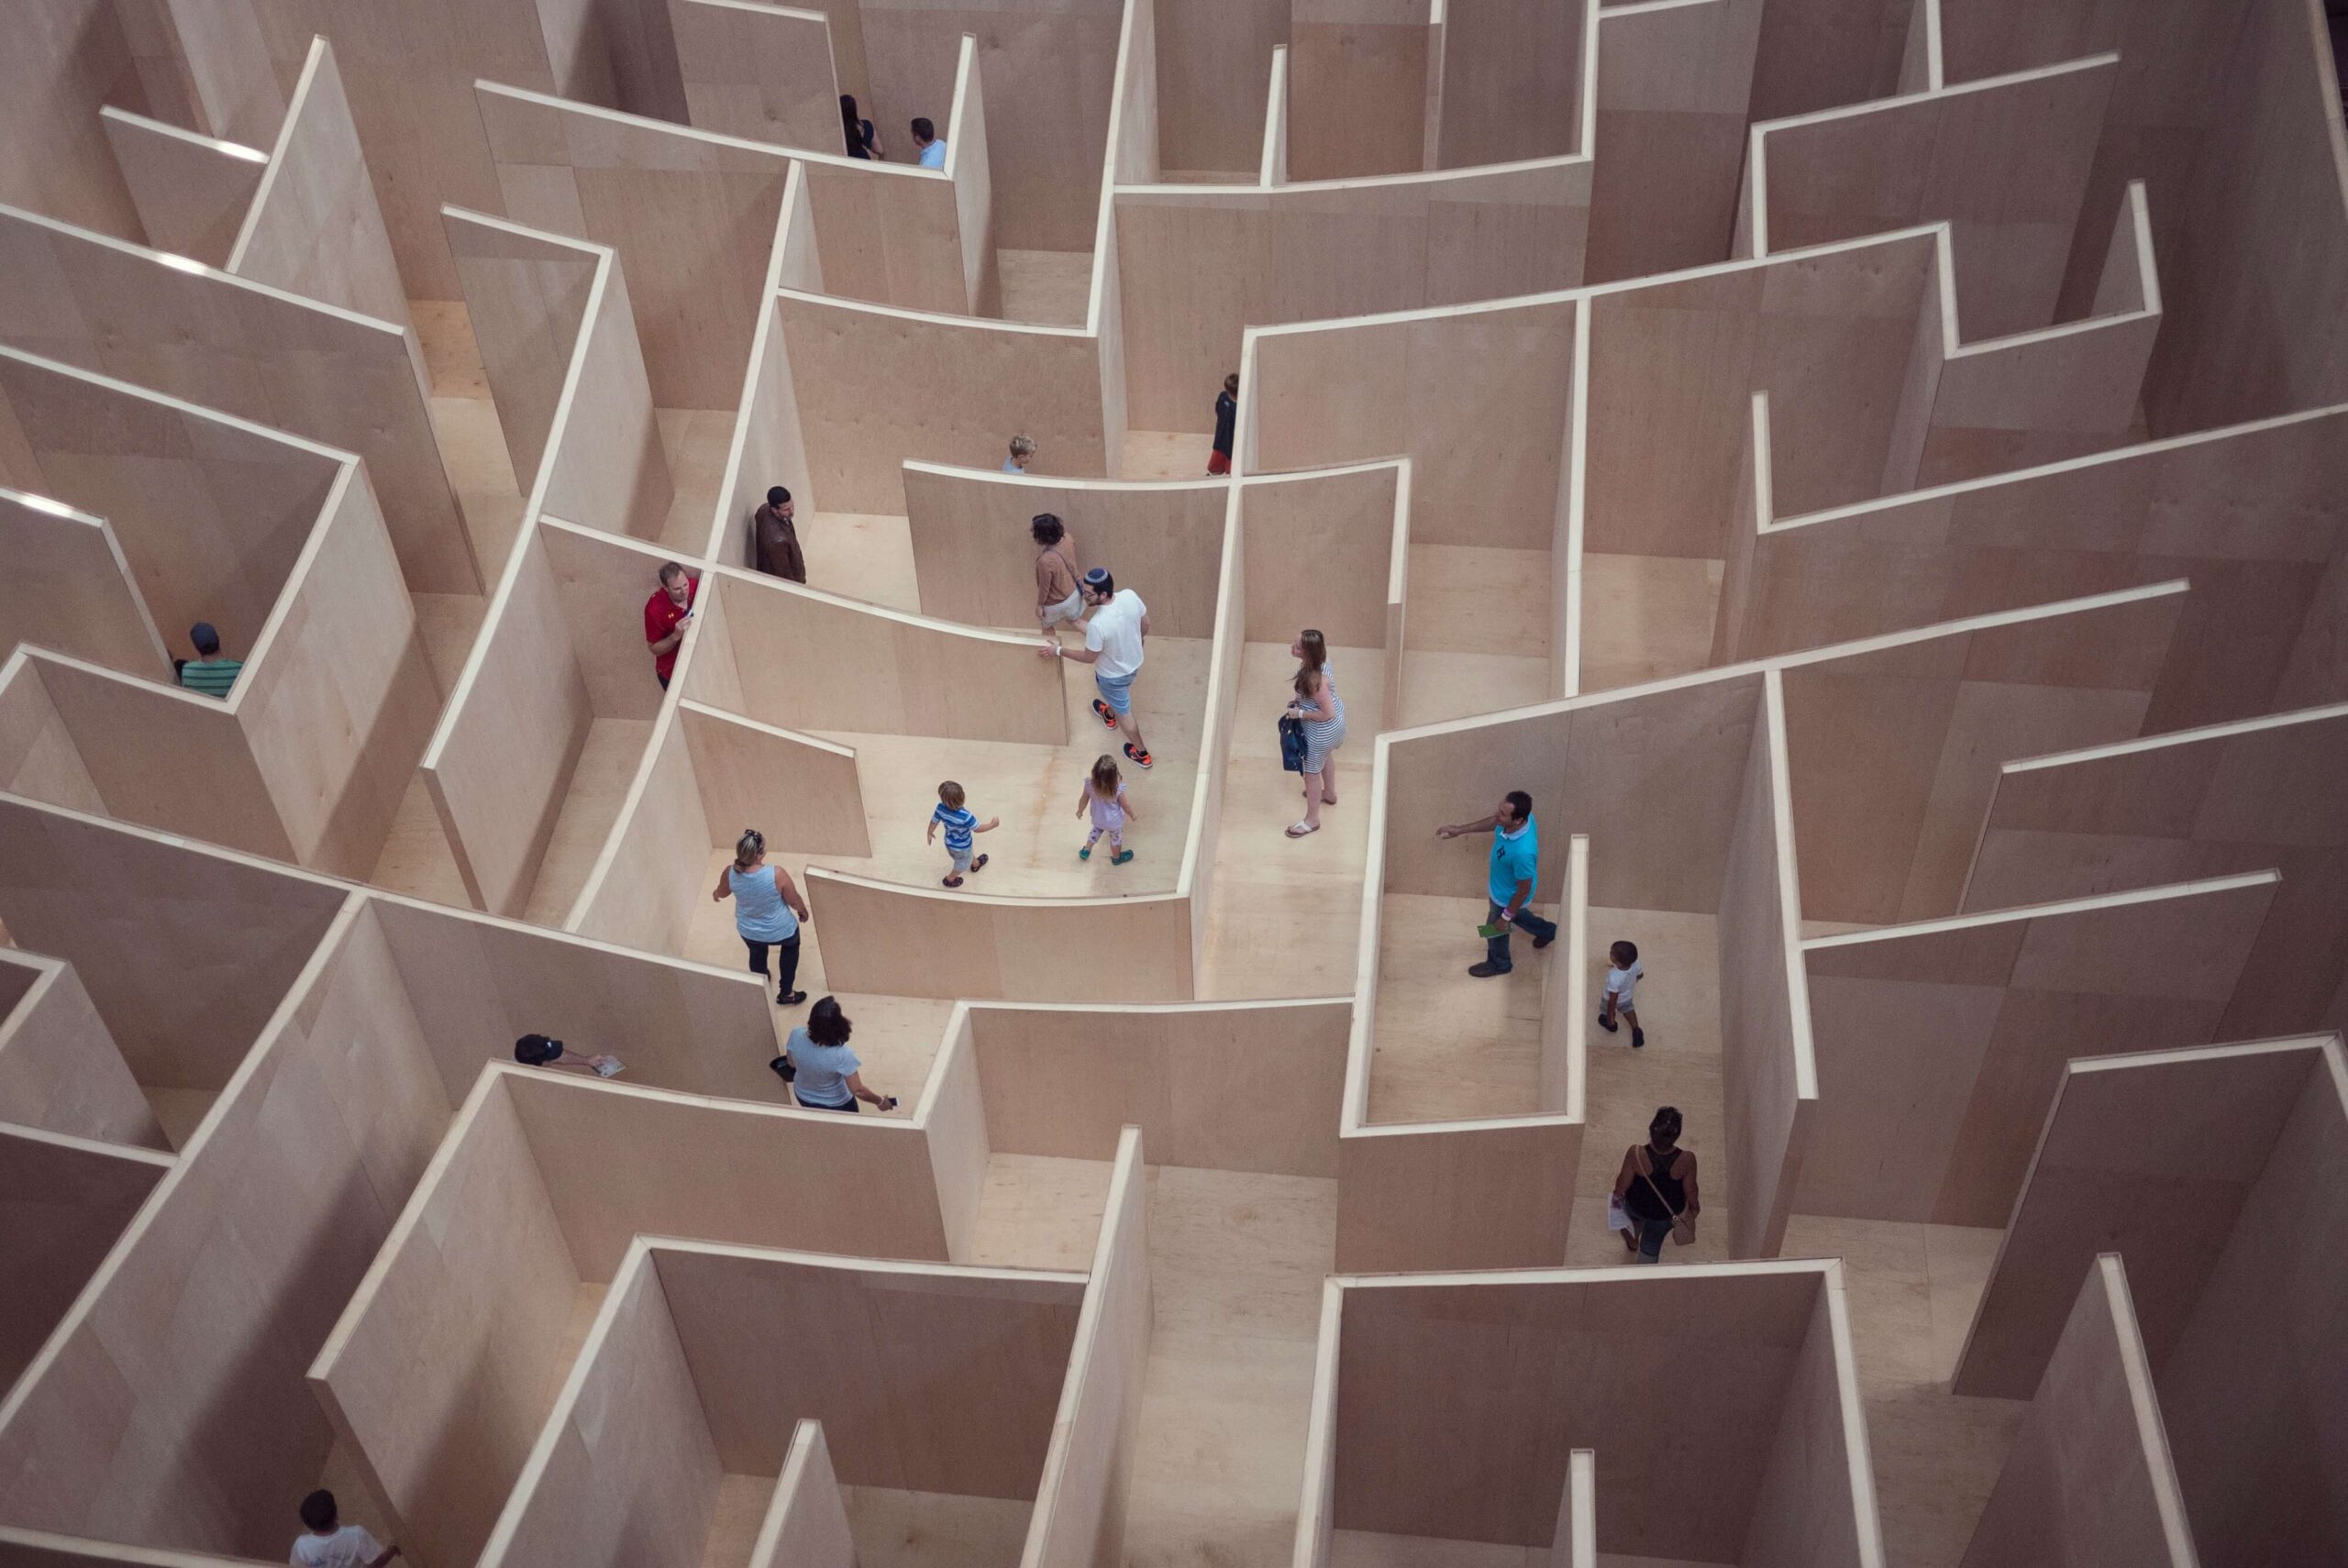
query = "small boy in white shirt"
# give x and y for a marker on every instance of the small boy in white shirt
(1623, 990)
(332, 1544)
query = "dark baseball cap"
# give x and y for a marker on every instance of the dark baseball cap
(537, 1050)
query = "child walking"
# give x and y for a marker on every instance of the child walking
(960, 823)
(1623, 990)
(1105, 797)
(327, 1543)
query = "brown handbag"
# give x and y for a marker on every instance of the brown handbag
(1683, 1225)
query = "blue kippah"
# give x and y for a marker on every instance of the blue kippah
(1097, 575)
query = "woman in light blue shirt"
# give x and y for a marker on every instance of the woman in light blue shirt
(823, 1070)
(768, 911)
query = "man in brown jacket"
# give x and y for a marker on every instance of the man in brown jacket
(776, 539)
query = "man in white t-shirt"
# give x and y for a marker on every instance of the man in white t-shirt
(330, 1543)
(1113, 646)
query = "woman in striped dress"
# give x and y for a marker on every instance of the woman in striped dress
(1323, 712)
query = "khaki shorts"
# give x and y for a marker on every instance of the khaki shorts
(1068, 609)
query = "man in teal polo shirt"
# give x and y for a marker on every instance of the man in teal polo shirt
(1516, 861)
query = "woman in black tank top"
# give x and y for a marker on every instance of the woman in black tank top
(1657, 1186)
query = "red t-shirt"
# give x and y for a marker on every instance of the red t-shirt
(661, 617)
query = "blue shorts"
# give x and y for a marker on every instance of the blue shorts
(1117, 691)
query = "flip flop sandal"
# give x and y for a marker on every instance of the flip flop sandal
(1299, 830)
(978, 865)
(953, 881)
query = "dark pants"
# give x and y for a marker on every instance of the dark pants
(661, 679)
(1496, 947)
(1651, 1235)
(850, 1107)
(786, 957)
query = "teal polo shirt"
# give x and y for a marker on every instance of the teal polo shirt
(1516, 857)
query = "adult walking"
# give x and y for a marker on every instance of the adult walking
(1227, 424)
(1517, 860)
(667, 614)
(775, 531)
(768, 911)
(1657, 1186)
(823, 1072)
(1113, 646)
(1058, 594)
(1323, 713)
(857, 131)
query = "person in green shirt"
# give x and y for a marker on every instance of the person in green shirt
(207, 672)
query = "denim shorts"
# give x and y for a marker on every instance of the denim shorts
(961, 858)
(1117, 691)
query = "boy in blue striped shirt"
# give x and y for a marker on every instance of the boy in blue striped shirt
(960, 823)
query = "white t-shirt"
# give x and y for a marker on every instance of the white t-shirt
(1622, 985)
(350, 1547)
(1114, 633)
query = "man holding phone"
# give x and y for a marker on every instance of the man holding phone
(665, 616)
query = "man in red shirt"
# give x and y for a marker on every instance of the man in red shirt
(665, 616)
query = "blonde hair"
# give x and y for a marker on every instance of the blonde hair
(1105, 779)
(748, 848)
(1020, 446)
(950, 793)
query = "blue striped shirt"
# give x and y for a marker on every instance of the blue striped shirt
(958, 821)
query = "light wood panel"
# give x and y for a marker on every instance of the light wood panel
(759, 72)
(69, 588)
(1674, 81)
(1817, 54)
(210, 513)
(38, 760)
(1674, 364)
(223, 343)
(1817, 1504)
(903, 941)
(1197, 266)
(1080, 1505)
(1207, 85)
(949, 1386)
(191, 193)
(2004, 161)
(2089, 1480)
(528, 295)
(810, 660)
(1476, 397)
(1510, 82)
(1357, 74)
(756, 774)
(608, 470)
(1938, 1045)
(1496, 1193)
(1321, 552)
(648, 876)
(1061, 1081)
(498, 768)
(974, 559)
(236, 1267)
(67, 61)
(314, 227)
(874, 388)
(1894, 751)
(2152, 1155)
(806, 1526)
(64, 1200)
(1768, 1061)
(2131, 517)
(186, 986)
(60, 1069)
(1457, 1405)
(2227, 798)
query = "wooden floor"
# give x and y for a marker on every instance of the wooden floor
(1044, 288)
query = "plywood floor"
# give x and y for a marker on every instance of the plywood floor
(1044, 288)
(590, 806)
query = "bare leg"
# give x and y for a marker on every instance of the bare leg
(1132, 731)
(1313, 800)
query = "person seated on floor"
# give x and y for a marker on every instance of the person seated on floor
(207, 672)
(540, 1051)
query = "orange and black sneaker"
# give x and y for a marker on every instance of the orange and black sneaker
(1138, 758)
(1108, 715)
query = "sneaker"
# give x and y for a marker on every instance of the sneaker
(1108, 714)
(1638, 1038)
(1138, 758)
(1487, 970)
(1085, 854)
(1541, 941)
(1608, 1024)
(1121, 857)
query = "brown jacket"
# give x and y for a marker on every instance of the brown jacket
(778, 543)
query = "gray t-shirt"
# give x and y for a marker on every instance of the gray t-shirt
(822, 1070)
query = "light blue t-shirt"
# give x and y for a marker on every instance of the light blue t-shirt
(822, 1070)
(760, 913)
(934, 155)
(1516, 857)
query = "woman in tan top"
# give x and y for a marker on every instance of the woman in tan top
(1057, 598)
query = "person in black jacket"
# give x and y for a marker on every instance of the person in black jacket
(1226, 416)
(862, 142)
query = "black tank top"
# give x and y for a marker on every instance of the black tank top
(1641, 1200)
